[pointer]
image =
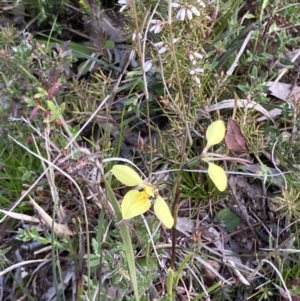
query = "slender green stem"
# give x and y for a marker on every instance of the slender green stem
(126, 240)
(187, 137)
(174, 213)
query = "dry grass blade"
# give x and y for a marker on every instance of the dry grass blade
(240, 103)
(21, 216)
(59, 229)
(20, 264)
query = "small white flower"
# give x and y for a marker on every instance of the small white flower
(148, 65)
(156, 28)
(176, 5)
(131, 55)
(194, 72)
(135, 34)
(193, 56)
(158, 44)
(196, 79)
(125, 4)
(185, 9)
(201, 3)
(163, 48)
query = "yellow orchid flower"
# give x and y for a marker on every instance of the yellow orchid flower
(215, 134)
(137, 202)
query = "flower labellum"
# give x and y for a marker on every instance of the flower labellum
(135, 203)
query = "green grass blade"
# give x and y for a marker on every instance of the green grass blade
(224, 20)
(181, 268)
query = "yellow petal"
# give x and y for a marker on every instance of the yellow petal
(126, 175)
(135, 203)
(163, 213)
(215, 132)
(218, 176)
(148, 188)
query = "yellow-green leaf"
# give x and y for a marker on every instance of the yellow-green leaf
(135, 203)
(163, 213)
(126, 175)
(218, 176)
(215, 132)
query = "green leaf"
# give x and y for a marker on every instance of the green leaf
(135, 203)
(95, 246)
(49, 119)
(230, 219)
(163, 213)
(29, 101)
(42, 90)
(215, 133)
(218, 176)
(52, 107)
(126, 175)
(39, 95)
(109, 44)
(62, 107)
(149, 263)
(79, 50)
(26, 175)
(249, 16)
(85, 66)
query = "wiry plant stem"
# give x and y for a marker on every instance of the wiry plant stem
(187, 137)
